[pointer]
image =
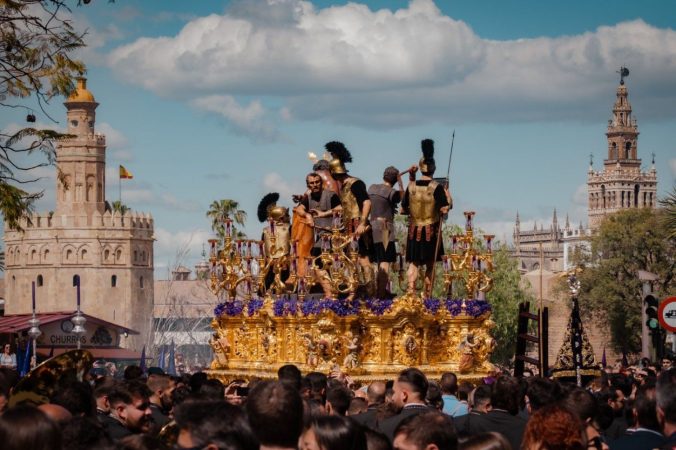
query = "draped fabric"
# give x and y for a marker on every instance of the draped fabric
(303, 235)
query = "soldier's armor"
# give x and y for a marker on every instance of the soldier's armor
(282, 241)
(323, 204)
(351, 209)
(382, 214)
(421, 205)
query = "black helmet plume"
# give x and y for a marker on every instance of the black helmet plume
(338, 150)
(263, 207)
(427, 146)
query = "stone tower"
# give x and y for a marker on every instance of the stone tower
(112, 253)
(621, 184)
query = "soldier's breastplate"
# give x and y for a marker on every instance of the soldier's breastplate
(282, 240)
(323, 204)
(349, 201)
(421, 204)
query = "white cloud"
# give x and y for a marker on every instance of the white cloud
(248, 120)
(274, 182)
(386, 68)
(114, 138)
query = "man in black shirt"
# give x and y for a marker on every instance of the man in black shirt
(356, 206)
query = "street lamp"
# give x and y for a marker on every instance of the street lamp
(78, 320)
(34, 331)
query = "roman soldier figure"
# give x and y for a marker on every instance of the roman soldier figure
(425, 202)
(384, 200)
(356, 206)
(277, 249)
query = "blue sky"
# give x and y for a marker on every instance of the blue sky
(209, 100)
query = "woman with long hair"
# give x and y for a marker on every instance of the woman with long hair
(333, 433)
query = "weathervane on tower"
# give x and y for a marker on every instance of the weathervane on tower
(624, 72)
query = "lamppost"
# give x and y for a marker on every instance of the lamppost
(78, 320)
(34, 331)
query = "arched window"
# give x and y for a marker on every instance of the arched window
(69, 255)
(141, 282)
(40, 281)
(118, 255)
(106, 254)
(627, 148)
(113, 281)
(613, 153)
(76, 280)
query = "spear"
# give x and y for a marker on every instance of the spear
(441, 219)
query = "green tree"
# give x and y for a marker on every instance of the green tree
(120, 207)
(508, 291)
(220, 210)
(669, 205)
(626, 242)
(35, 65)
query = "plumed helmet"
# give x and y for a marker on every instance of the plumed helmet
(340, 154)
(266, 205)
(427, 163)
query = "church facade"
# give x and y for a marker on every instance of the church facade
(112, 253)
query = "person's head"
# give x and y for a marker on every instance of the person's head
(213, 389)
(316, 383)
(338, 400)
(582, 403)
(333, 433)
(103, 386)
(433, 397)
(541, 392)
(427, 431)
(85, 433)
(375, 393)
(480, 399)
(160, 386)
(505, 394)
(554, 427)
(666, 400)
(322, 164)
(132, 373)
(314, 182)
(76, 397)
(7, 349)
(26, 427)
(464, 389)
(130, 403)
(487, 441)
(141, 442)
(358, 405)
(275, 414)
(645, 408)
(376, 440)
(290, 374)
(196, 380)
(391, 175)
(57, 413)
(449, 383)
(410, 387)
(201, 422)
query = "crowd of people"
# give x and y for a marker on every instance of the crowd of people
(627, 409)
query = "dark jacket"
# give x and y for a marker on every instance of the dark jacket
(388, 426)
(367, 418)
(500, 421)
(641, 439)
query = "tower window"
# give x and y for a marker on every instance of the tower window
(74, 123)
(141, 282)
(39, 281)
(76, 280)
(113, 281)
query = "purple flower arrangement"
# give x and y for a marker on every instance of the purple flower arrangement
(254, 305)
(379, 306)
(229, 308)
(284, 306)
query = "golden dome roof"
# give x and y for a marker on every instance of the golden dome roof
(81, 93)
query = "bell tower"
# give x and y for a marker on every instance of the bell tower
(621, 184)
(81, 158)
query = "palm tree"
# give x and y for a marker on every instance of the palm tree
(669, 205)
(120, 207)
(220, 210)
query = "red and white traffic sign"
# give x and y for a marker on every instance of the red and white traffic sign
(667, 314)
